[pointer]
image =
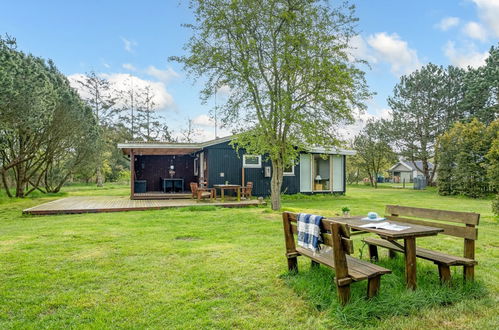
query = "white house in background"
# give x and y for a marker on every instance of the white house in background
(407, 170)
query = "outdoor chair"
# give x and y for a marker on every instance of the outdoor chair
(246, 190)
(198, 192)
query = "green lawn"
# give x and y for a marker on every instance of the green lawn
(222, 268)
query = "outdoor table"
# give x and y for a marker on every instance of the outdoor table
(408, 235)
(224, 187)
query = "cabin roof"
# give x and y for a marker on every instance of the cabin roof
(169, 148)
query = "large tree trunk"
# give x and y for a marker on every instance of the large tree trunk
(5, 183)
(426, 172)
(20, 182)
(276, 184)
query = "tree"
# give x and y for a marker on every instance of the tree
(355, 172)
(468, 158)
(148, 121)
(45, 127)
(166, 134)
(189, 133)
(481, 99)
(127, 107)
(425, 104)
(493, 163)
(99, 95)
(26, 100)
(286, 64)
(374, 154)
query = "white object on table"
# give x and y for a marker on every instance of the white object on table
(385, 225)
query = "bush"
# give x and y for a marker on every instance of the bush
(468, 164)
(495, 205)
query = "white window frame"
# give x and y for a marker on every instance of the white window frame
(196, 166)
(259, 165)
(292, 173)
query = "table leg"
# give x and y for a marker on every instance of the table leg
(238, 194)
(410, 262)
(223, 195)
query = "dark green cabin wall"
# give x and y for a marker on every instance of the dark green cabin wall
(223, 158)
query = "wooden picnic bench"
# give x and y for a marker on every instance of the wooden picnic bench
(427, 217)
(348, 269)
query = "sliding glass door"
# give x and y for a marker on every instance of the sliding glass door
(321, 173)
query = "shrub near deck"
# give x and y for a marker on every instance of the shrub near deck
(216, 268)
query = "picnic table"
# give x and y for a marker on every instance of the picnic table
(409, 236)
(223, 187)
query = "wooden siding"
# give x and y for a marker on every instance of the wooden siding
(222, 158)
(157, 166)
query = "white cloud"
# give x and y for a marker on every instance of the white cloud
(129, 67)
(348, 132)
(74, 82)
(203, 133)
(392, 49)
(224, 91)
(129, 44)
(121, 81)
(463, 58)
(447, 22)
(105, 64)
(203, 120)
(162, 75)
(475, 30)
(359, 50)
(488, 11)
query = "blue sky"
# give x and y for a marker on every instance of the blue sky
(123, 38)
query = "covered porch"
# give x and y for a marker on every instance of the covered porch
(162, 170)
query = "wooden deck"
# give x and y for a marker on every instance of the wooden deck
(162, 195)
(97, 204)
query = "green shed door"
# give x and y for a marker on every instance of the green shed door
(305, 172)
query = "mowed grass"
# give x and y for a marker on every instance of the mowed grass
(223, 268)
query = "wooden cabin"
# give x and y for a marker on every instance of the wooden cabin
(165, 170)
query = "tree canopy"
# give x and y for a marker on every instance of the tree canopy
(425, 104)
(287, 66)
(374, 153)
(45, 128)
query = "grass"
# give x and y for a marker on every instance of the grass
(222, 268)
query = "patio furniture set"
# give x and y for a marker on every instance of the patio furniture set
(200, 192)
(417, 222)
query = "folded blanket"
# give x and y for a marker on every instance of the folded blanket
(309, 232)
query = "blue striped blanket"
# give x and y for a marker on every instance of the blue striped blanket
(309, 232)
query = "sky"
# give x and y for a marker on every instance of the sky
(123, 40)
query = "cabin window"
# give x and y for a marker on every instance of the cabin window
(289, 171)
(252, 161)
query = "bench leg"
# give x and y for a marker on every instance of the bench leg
(391, 254)
(373, 252)
(314, 264)
(373, 285)
(444, 272)
(293, 264)
(343, 294)
(469, 273)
